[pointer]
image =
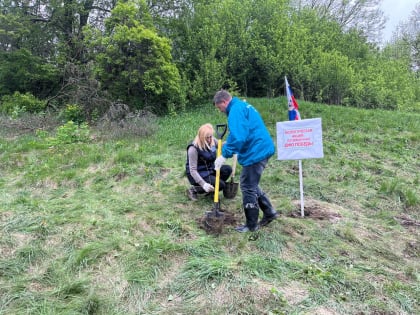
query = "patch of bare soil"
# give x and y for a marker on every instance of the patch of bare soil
(412, 249)
(214, 225)
(406, 221)
(314, 209)
(294, 293)
(323, 311)
(120, 176)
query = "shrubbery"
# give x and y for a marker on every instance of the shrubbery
(68, 133)
(73, 112)
(18, 103)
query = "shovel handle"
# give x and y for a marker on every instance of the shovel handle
(234, 160)
(221, 130)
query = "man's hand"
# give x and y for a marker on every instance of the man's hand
(219, 162)
(208, 188)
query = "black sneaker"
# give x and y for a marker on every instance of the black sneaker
(192, 194)
(244, 228)
(267, 220)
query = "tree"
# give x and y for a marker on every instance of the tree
(133, 63)
(158, 53)
(240, 46)
(333, 76)
(405, 43)
(21, 71)
(37, 38)
(363, 15)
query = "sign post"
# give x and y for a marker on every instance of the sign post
(298, 140)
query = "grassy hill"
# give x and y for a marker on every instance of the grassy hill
(104, 226)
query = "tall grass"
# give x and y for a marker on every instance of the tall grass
(104, 227)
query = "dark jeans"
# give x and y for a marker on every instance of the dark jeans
(249, 183)
(225, 172)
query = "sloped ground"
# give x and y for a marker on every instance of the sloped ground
(105, 227)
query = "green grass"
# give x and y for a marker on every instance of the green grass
(105, 227)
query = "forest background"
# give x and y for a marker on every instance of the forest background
(82, 56)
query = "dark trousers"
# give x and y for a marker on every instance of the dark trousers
(225, 172)
(253, 198)
(250, 180)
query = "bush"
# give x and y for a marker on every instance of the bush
(72, 133)
(25, 71)
(74, 113)
(68, 133)
(18, 103)
(134, 63)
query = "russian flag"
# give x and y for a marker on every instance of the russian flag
(292, 104)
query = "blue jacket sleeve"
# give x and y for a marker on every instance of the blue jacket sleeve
(238, 129)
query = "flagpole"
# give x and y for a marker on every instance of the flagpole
(302, 206)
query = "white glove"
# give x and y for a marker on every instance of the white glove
(208, 188)
(219, 162)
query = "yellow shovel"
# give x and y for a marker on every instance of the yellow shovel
(220, 132)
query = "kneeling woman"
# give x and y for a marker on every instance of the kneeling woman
(201, 154)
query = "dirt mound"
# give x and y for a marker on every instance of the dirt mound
(406, 221)
(316, 210)
(215, 225)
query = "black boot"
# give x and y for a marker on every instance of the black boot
(267, 208)
(193, 191)
(199, 190)
(251, 214)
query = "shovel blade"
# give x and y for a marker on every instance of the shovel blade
(214, 214)
(230, 190)
(214, 220)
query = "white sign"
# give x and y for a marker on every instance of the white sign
(299, 139)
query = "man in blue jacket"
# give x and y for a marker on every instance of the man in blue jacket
(250, 140)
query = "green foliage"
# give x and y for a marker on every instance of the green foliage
(71, 133)
(151, 55)
(332, 77)
(202, 62)
(251, 48)
(25, 72)
(19, 103)
(135, 63)
(68, 133)
(240, 50)
(74, 113)
(376, 82)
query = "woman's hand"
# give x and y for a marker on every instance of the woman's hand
(208, 188)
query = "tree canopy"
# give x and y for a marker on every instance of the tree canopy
(169, 55)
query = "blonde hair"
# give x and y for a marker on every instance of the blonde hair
(200, 139)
